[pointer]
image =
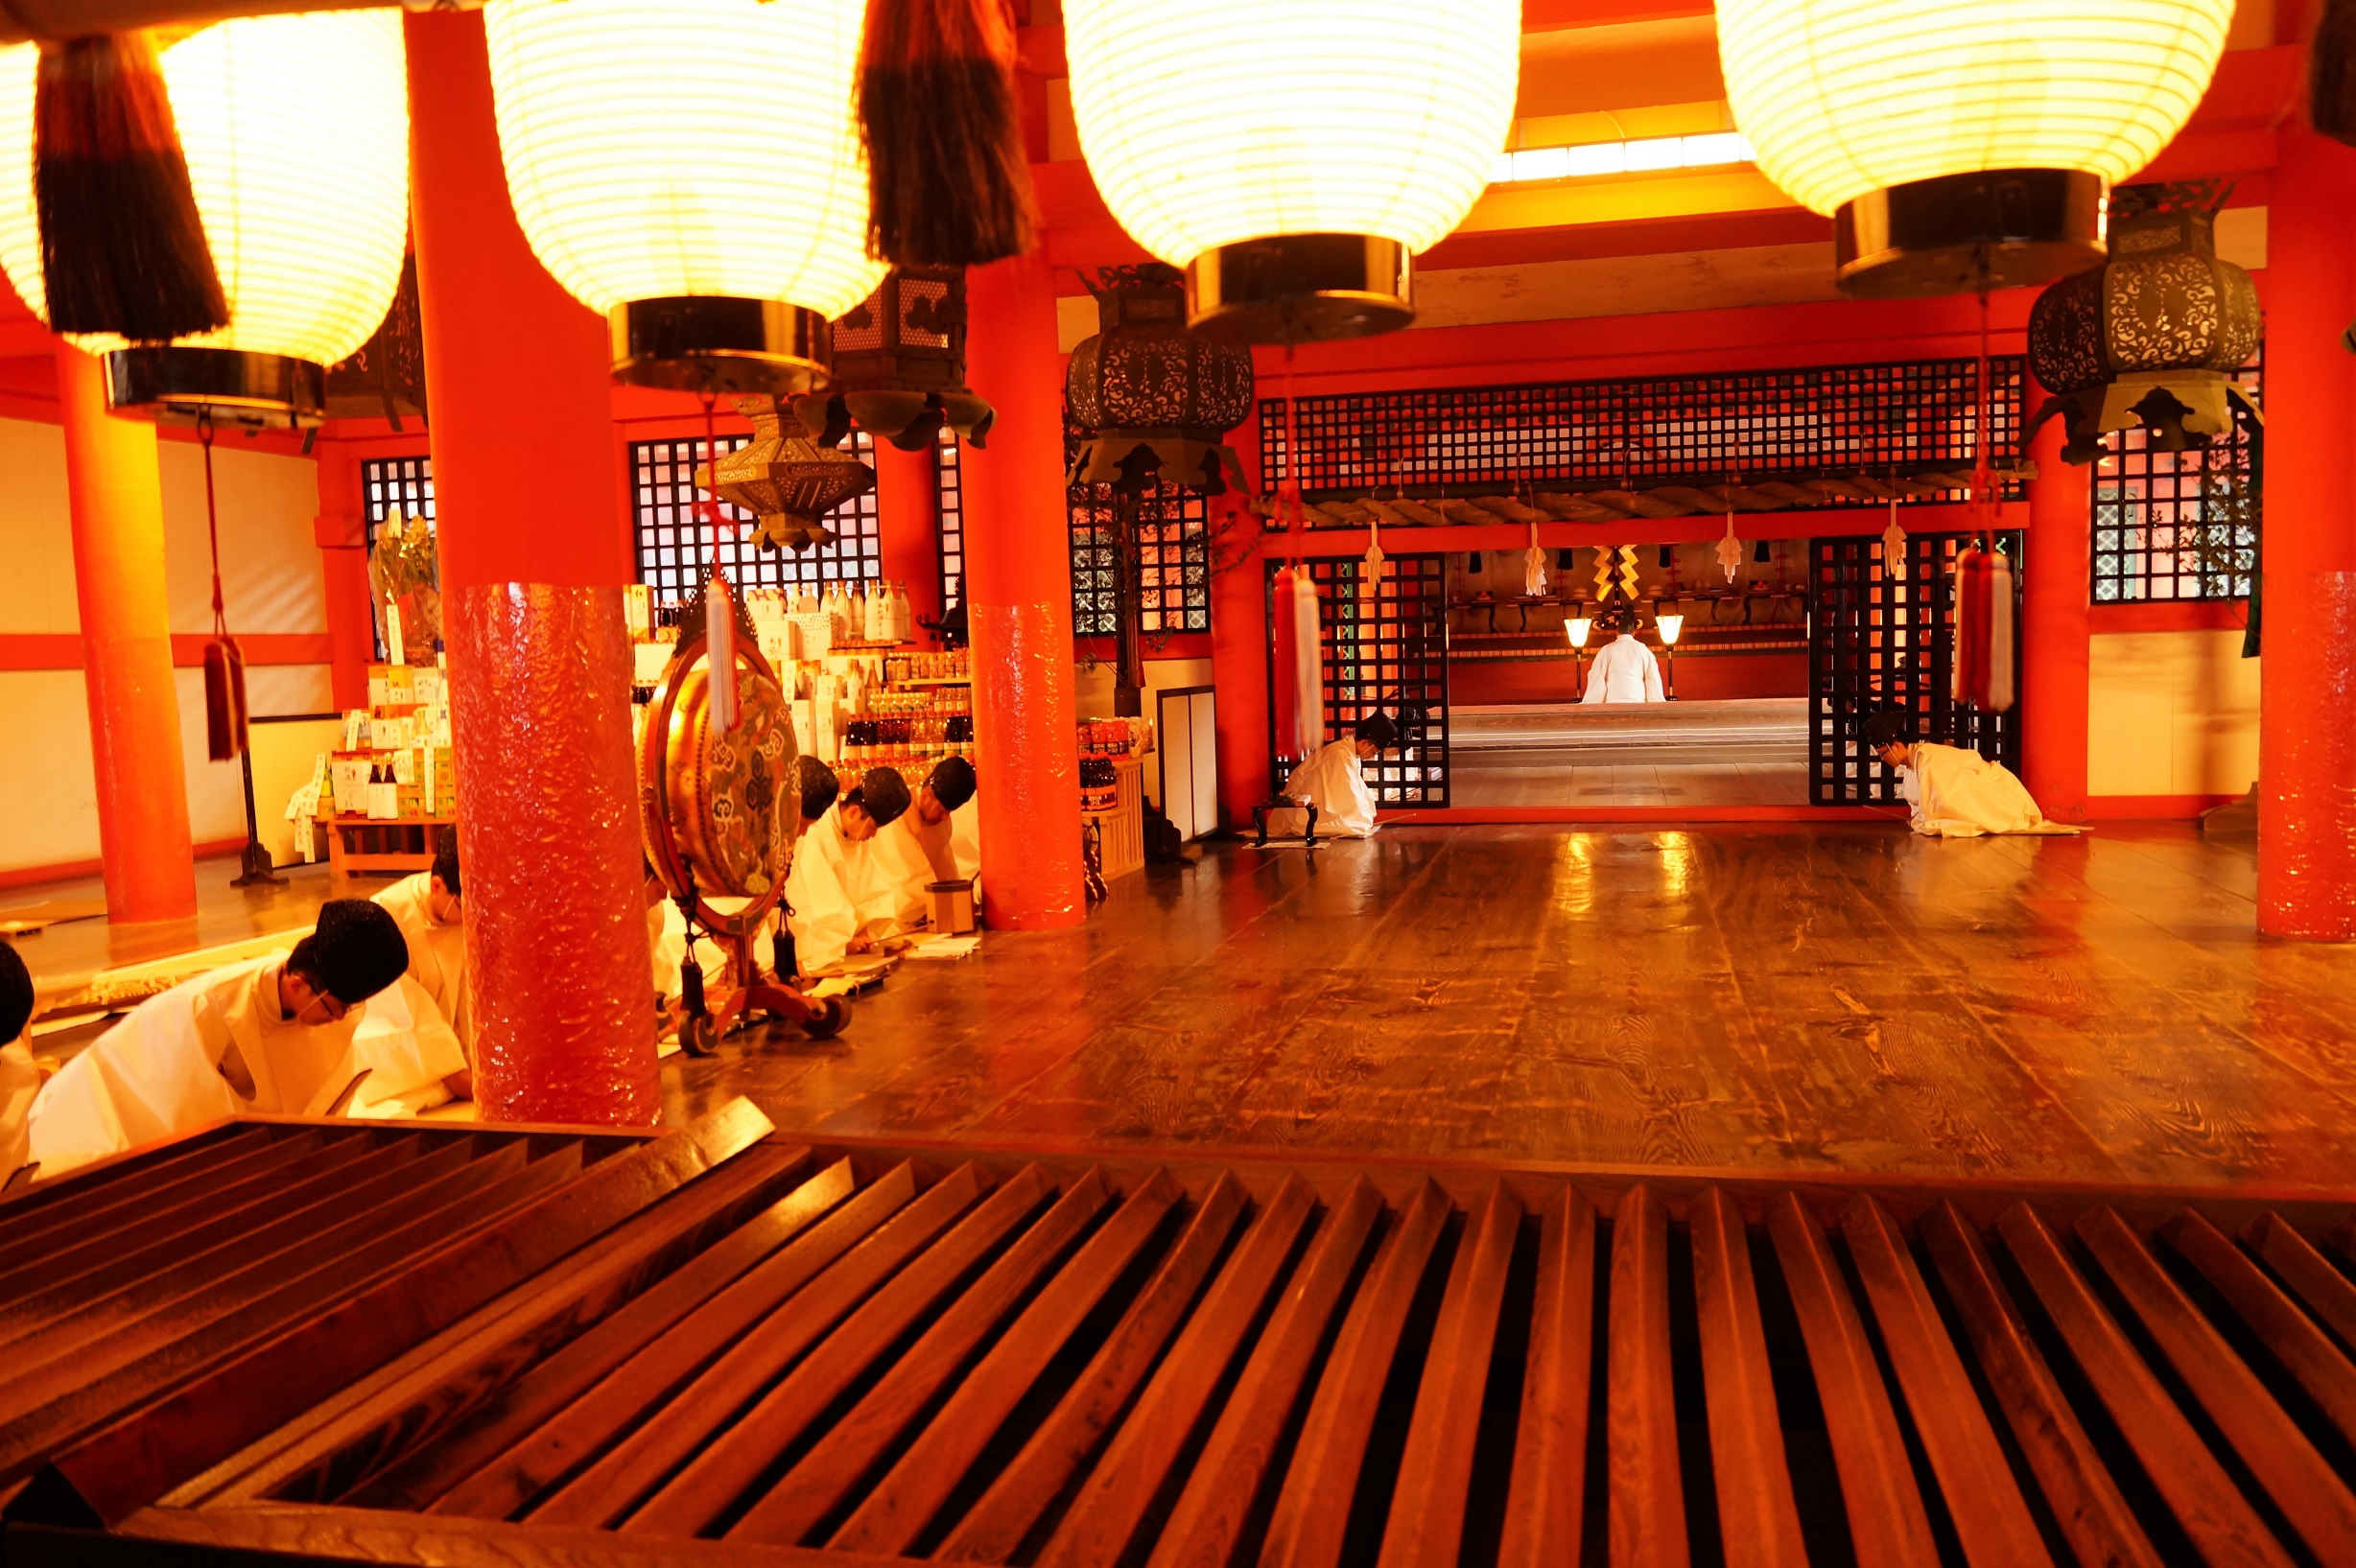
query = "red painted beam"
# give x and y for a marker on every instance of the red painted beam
(63, 651)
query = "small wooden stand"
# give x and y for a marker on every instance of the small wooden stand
(1123, 824)
(381, 845)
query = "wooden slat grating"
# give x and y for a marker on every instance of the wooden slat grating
(719, 1346)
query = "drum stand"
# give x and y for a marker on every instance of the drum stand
(747, 990)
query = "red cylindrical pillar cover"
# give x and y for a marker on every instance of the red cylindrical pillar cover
(115, 491)
(2054, 599)
(2306, 734)
(1018, 566)
(533, 556)
(907, 505)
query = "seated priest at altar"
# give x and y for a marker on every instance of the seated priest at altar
(837, 897)
(1624, 670)
(1334, 782)
(1953, 793)
(287, 1033)
(934, 840)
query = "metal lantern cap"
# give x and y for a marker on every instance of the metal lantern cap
(716, 344)
(1300, 288)
(784, 480)
(1997, 228)
(229, 385)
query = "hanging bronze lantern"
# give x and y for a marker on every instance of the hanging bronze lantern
(1154, 402)
(899, 367)
(2151, 336)
(385, 377)
(786, 480)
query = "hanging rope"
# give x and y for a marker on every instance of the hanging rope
(225, 665)
(719, 608)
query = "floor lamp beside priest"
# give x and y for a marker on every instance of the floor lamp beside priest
(287, 1033)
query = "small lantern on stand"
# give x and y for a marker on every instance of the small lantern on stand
(2151, 336)
(1155, 399)
(1578, 626)
(1670, 626)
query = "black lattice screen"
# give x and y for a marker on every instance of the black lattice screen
(950, 535)
(388, 482)
(2179, 524)
(1879, 642)
(1173, 556)
(673, 549)
(1750, 425)
(1384, 648)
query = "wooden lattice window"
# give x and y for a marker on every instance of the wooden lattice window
(2174, 525)
(674, 549)
(1745, 426)
(388, 482)
(1384, 649)
(1173, 556)
(1882, 641)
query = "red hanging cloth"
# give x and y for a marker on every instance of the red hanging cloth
(225, 665)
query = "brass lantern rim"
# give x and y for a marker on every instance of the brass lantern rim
(719, 343)
(172, 385)
(1971, 233)
(1300, 288)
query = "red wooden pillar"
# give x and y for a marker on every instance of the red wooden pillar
(115, 491)
(1239, 675)
(535, 554)
(2054, 656)
(341, 531)
(907, 504)
(2306, 735)
(1017, 580)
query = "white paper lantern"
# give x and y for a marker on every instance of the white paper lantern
(692, 170)
(1964, 143)
(296, 129)
(1290, 154)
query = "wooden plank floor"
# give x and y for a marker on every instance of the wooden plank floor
(1770, 997)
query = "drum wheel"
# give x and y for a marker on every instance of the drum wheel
(832, 1014)
(699, 1036)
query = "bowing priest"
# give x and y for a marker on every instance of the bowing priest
(837, 898)
(934, 840)
(1334, 782)
(427, 906)
(19, 1079)
(1624, 670)
(280, 1034)
(1953, 793)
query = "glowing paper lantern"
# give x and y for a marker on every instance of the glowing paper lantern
(692, 169)
(296, 133)
(1963, 144)
(1290, 156)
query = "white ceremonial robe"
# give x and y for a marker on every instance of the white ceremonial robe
(910, 855)
(20, 1081)
(1624, 671)
(836, 892)
(1334, 782)
(1957, 794)
(437, 953)
(158, 1072)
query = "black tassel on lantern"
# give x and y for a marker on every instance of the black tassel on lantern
(2331, 72)
(948, 178)
(123, 247)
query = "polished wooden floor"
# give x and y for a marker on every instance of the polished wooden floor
(1775, 997)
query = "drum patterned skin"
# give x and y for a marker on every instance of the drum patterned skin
(723, 784)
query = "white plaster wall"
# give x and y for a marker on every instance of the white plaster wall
(52, 801)
(2171, 714)
(36, 537)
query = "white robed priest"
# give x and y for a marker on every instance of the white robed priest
(1334, 782)
(429, 908)
(1955, 792)
(934, 840)
(20, 1078)
(840, 900)
(1624, 670)
(282, 1033)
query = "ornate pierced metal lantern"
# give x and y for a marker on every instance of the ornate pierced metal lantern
(2151, 336)
(785, 480)
(385, 377)
(1154, 401)
(899, 367)
(1155, 398)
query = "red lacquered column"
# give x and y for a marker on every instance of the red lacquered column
(1018, 580)
(2054, 655)
(2307, 708)
(1240, 678)
(907, 505)
(116, 494)
(341, 533)
(535, 554)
